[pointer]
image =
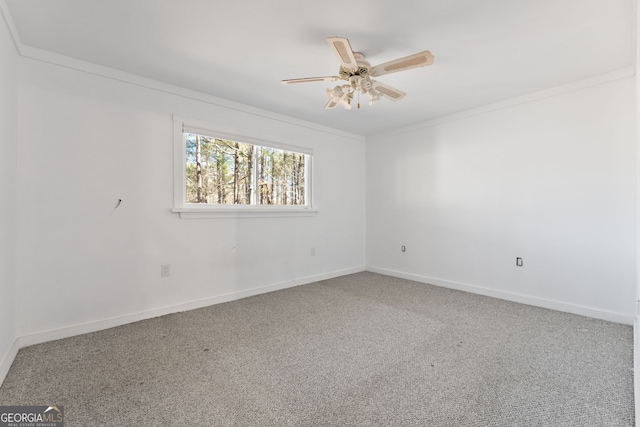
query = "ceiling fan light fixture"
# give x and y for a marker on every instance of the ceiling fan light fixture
(374, 96)
(356, 71)
(340, 95)
(343, 94)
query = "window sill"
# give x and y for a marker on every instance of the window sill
(211, 213)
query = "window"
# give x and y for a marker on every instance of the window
(221, 174)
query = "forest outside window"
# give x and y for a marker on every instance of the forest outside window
(225, 175)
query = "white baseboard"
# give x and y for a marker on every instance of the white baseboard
(60, 333)
(55, 334)
(8, 359)
(610, 316)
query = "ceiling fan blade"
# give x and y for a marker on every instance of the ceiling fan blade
(421, 59)
(388, 91)
(343, 51)
(311, 80)
(331, 104)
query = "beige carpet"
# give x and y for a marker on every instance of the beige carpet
(360, 350)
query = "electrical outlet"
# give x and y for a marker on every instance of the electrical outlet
(519, 262)
(403, 248)
(313, 251)
(165, 270)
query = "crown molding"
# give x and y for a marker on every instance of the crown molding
(134, 79)
(111, 73)
(612, 76)
(6, 15)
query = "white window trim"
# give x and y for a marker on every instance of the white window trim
(194, 210)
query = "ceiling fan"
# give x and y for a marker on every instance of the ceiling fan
(358, 72)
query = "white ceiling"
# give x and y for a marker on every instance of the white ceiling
(485, 51)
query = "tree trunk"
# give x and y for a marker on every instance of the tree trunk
(295, 180)
(219, 182)
(199, 197)
(236, 180)
(300, 179)
(274, 182)
(261, 180)
(285, 160)
(249, 174)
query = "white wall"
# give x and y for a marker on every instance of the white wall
(551, 181)
(8, 194)
(636, 325)
(87, 141)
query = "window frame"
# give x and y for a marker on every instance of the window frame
(182, 125)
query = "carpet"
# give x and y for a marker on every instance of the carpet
(358, 350)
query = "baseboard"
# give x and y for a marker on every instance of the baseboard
(60, 333)
(610, 316)
(8, 359)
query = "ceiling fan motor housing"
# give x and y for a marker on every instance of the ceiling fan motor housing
(362, 70)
